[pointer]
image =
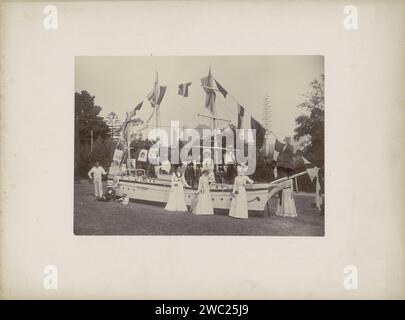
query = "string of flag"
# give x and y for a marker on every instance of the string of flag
(211, 87)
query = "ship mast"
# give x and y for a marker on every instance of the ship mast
(267, 121)
(157, 112)
(156, 97)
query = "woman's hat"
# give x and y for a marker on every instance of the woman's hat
(205, 170)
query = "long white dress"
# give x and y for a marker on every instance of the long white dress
(286, 207)
(204, 204)
(176, 200)
(239, 207)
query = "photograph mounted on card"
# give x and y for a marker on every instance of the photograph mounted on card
(207, 148)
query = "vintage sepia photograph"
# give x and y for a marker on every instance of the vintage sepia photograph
(208, 153)
(199, 145)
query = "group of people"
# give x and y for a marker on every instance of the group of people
(239, 205)
(202, 205)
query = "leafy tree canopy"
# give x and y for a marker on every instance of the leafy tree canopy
(311, 124)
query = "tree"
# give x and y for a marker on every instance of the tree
(90, 130)
(88, 119)
(310, 129)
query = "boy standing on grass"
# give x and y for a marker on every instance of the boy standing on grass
(96, 174)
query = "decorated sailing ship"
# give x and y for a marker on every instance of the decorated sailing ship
(141, 186)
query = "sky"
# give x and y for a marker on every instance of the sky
(120, 83)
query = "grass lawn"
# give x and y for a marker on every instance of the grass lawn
(93, 217)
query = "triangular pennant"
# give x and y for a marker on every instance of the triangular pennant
(137, 108)
(279, 146)
(260, 132)
(221, 89)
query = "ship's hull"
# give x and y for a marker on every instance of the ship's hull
(156, 191)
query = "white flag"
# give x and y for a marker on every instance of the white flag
(118, 155)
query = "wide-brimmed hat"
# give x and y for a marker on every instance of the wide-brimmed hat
(205, 170)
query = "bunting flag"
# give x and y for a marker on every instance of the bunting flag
(137, 108)
(314, 173)
(183, 89)
(221, 89)
(208, 86)
(156, 95)
(247, 122)
(289, 149)
(159, 93)
(241, 114)
(275, 155)
(279, 146)
(260, 132)
(244, 123)
(118, 155)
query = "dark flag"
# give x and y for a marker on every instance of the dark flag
(137, 108)
(260, 132)
(279, 146)
(221, 89)
(289, 149)
(241, 113)
(156, 95)
(208, 86)
(183, 89)
(162, 92)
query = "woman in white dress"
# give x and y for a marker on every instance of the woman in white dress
(204, 204)
(176, 200)
(239, 207)
(286, 204)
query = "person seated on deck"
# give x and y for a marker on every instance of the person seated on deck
(220, 173)
(150, 172)
(198, 172)
(189, 173)
(231, 173)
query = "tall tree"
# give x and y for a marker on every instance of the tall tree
(89, 123)
(311, 124)
(90, 130)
